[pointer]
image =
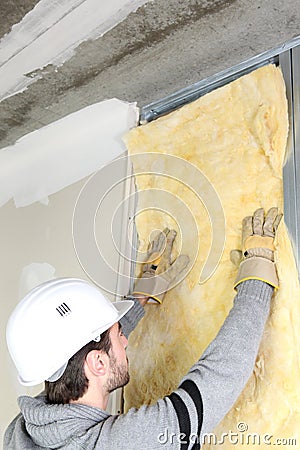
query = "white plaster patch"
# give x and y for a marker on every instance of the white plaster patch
(65, 151)
(50, 33)
(34, 274)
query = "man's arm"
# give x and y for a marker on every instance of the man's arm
(214, 383)
(157, 276)
(134, 315)
(226, 365)
(209, 389)
(218, 378)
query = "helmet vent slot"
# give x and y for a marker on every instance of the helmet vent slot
(63, 309)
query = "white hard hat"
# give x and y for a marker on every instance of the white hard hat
(53, 322)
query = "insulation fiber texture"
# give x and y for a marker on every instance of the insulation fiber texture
(234, 137)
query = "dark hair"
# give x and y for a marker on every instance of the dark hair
(74, 383)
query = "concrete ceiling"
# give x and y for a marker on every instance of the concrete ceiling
(158, 49)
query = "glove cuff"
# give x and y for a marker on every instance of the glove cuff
(261, 252)
(151, 286)
(257, 268)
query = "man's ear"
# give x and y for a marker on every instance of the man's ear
(97, 362)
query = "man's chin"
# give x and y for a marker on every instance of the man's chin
(124, 383)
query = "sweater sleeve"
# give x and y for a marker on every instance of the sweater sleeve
(209, 389)
(217, 379)
(132, 318)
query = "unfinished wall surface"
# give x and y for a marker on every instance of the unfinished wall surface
(56, 215)
(157, 50)
(236, 137)
(36, 245)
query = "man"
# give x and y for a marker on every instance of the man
(84, 357)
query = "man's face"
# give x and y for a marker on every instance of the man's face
(119, 375)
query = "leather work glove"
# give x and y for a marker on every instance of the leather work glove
(158, 272)
(256, 260)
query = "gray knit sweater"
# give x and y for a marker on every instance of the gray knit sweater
(202, 399)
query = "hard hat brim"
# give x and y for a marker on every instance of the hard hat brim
(123, 307)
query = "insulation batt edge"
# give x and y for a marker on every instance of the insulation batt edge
(57, 155)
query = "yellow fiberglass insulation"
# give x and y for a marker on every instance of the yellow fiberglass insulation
(236, 136)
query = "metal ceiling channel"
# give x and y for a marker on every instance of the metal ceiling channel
(289, 62)
(287, 56)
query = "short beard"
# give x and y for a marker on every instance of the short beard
(119, 375)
